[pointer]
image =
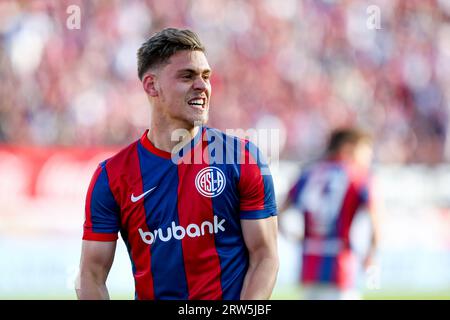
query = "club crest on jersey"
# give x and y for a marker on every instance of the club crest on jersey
(210, 182)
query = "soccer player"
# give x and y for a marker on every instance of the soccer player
(195, 207)
(328, 193)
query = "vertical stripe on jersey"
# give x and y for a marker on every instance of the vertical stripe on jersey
(251, 180)
(257, 157)
(140, 251)
(310, 267)
(309, 230)
(348, 210)
(233, 254)
(201, 260)
(161, 212)
(327, 269)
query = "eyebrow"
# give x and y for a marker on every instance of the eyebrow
(193, 71)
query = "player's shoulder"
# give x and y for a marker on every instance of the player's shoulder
(359, 175)
(356, 175)
(312, 165)
(331, 165)
(231, 139)
(235, 144)
(219, 135)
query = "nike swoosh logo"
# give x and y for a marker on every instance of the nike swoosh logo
(136, 199)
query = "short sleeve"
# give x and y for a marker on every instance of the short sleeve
(257, 196)
(101, 211)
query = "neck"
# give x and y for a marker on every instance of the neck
(170, 136)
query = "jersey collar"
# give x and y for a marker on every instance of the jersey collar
(147, 144)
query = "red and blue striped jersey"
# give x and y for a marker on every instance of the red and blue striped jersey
(329, 193)
(179, 215)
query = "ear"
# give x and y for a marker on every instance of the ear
(150, 85)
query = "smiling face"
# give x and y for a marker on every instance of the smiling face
(180, 90)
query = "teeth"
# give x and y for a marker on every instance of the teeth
(196, 102)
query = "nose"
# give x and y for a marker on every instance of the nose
(200, 84)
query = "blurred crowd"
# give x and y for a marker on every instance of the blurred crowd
(302, 67)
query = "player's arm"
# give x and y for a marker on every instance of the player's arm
(260, 237)
(285, 205)
(96, 261)
(374, 207)
(258, 223)
(374, 239)
(99, 237)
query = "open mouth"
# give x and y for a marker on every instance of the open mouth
(197, 103)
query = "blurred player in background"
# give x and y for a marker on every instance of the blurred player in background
(329, 193)
(194, 229)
